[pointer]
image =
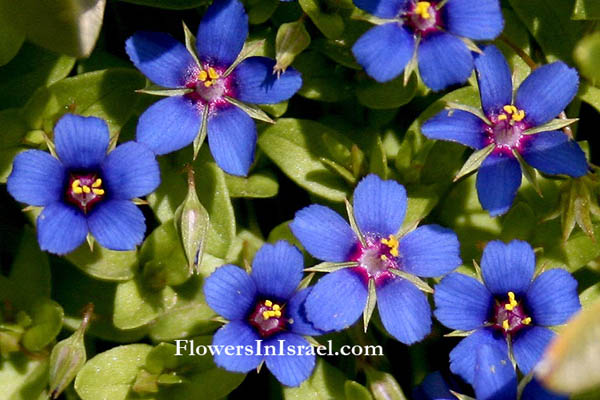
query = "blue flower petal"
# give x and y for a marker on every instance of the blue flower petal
(61, 228)
(295, 310)
(277, 269)
(324, 234)
(554, 153)
(237, 333)
(379, 206)
(404, 310)
(534, 391)
(290, 368)
(552, 298)
(81, 142)
(430, 251)
(507, 267)
(495, 377)
(474, 19)
(463, 358)
(529, 344)
(230, 292)
(164, 60)
(456, 126)
(232, 140)
(337, 300)
(462, 302)
(444, 60)
(546, 92)
(382, 8)
(433, 387)
(494, 79)
(129, 171)
(257, 84)
(37, 178)
(169, 124)
(117, 224)
(222, 32)
(498, 180)
(384, 51)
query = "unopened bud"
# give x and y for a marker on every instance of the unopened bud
(383, 385)
(292, 38)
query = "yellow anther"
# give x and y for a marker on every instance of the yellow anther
(202, 75)
(265, 315)
(212, 73)
(99, 192)
(512, 303)
(516, 114)
(422, 9)
(505, 325)
(519, 115)
(75, 187)
(509, 108)
(86, 189)
(502, 117)
(383, 257)
(208, 83)
(97, 183)
(526, 321)
(268, 303)
(277, 313)
(276, 307)
(393, 244)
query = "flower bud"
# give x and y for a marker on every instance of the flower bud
(292, 38)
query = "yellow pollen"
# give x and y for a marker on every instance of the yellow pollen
(505, 325)
(202, 75)
(86, 189)
(383, 257)
(98, 183)
(99, 192)
(502, 117)
(75, 187)
(212, 73)
(526, 321)
(277, 313)
(265, 314)
(512, 303)
(276, 307)
(516, 114)
(268, 303)
(422, 9)
(393, 244)
(208, 83)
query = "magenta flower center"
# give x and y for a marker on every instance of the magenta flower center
(507, 128)
(85, 190)
(377, 257)
(268, 318)
(510, 316)
(210, 86)
(423, 17)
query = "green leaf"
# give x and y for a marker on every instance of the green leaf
(105, 264)
(65, 26)
(586, 9)
(23, 378)
(579, 250)
(169, 4)
(590, 95)
(587, 57)
(163, 258)
(33, 67)
(550, 24)
(554, 125)
(109, 375)
(421, 200)
(11, 39)
(571, 363)
(378, 160)
(47, 319)
(108, 94)
(322, 80)
(260, 11)
(383, 386)
(356, 391)
(382, 96)
(330, 24)
(326, 382)
(370, 305)
(518, 223)
(296, 146)
(474, 161)
(259, 185)
(11, 140)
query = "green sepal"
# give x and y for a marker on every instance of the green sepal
(252, 110)
(474, 161)
(370, 306)
(419, 283)
(331, 266)
(554, 125)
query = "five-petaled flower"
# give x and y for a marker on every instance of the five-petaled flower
(264, 309)
(85, 189)
(539, 99)
(338, 299)
(430, 29)
(174, 122)
(509, 306)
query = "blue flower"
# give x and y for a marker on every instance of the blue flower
(539, 99)
(85, 189)
(174, 122)
(264, 309)
(507, 307)
(338, 299)
(496, 379)
(431, 30)
(433, 387)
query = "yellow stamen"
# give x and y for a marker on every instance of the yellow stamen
(502, 117)
(75, 187)
(422, 9)
(268, 303)
(202, 75)
(208, 83)
(86, 189)
(98, 183)
(99, 192)
(505, 325)
(276, 307)
(512, 303)
(516, 114)
(265, 315)
(277, 313)
(212, 73)
(393, 244)
(526, 321)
